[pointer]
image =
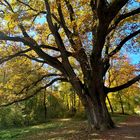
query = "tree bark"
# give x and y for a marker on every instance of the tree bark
(98, 115)
(94, 99)
(95, 106)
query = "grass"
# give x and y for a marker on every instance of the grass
(55, 129)
(17, 133)
(117, 118)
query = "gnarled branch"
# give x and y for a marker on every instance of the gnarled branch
(122, 17)
(117, 49)
(34, 46)
(126, 85)
(115, 7)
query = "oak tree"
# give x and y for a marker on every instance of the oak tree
(57, 32)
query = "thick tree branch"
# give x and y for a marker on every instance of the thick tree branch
(93, 5)
(4, 37)
(54, 62)
(32, 58)
(117, 49)
(81, 56)
(122, 17)
(115, 7)
(26, 36)
(105, 13)
(63, 23)
(126, 85)
(101, 6)
(25, 40)
(49, 47)
(23, 31)
(27, 5)
(72, 19)
(54, 30)
(10, 7)
(67, 66)
(70, 9)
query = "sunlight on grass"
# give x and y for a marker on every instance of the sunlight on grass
(112, 135)
(66, 119)
(94, 134)
(129, 137)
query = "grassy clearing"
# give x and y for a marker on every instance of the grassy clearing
(53, 130)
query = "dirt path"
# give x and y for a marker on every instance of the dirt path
(130, 129)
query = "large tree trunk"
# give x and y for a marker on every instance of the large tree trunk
(98, 115)
(92, 95)
(95, 105)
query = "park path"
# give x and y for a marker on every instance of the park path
(128, 130)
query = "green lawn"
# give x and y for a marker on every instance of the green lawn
(52, 130)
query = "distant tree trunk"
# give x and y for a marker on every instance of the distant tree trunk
(4, 76)
(79, 105)
(45, 108)
(67, 101)
(73, 100)
(121, 103)
(110, 105)
(51, 97)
